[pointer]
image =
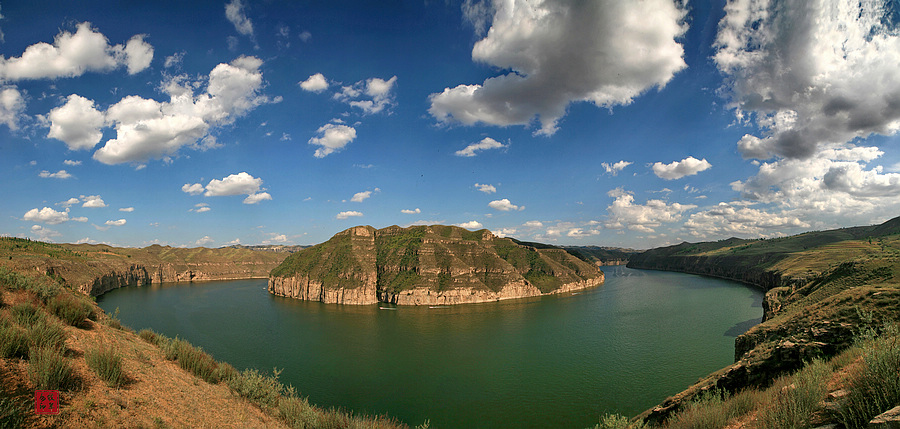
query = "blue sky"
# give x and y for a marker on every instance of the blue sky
(633, 124)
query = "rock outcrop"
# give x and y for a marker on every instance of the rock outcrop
(427, 265)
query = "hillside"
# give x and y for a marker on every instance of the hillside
(822, 289)
(94, 269)
(427, 265)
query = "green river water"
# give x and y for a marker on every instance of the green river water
(555, 361)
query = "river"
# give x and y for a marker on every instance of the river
(554, 361)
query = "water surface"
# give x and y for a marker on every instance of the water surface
(556, 361)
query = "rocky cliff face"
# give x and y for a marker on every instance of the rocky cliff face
(433, 265)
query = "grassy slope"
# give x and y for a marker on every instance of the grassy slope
(832, 285)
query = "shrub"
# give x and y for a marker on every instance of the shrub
(25, 314)
(13, 280)
(259, 389)
(149, 336)
(297, 412)
(48, 369)
(47, 333)
(793, 405)
(616, 421)
(875, 387)
(106, 362)
(71, 309)
(191, 358)
(707, 410)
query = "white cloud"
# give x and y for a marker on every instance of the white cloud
(376, 91)
(92, 201)
(193, 189)
(810, 74)
(560, 52)
(332, 138)
(72, 55)
(407, 211)
(200, 208)
(147, 129)
(204, 241)
(119, 222)
(257, 197)
(730, 219)
(43, 233)
(315, 83)
(504, 205)
(138, 54)
(582, 233)
(678, 169)
(472, 224)
(487, 189)
(361, 196)
(348, 214)
(126, 209)
(72, 163)
(49, 216)
(275, 238)
(533, 224)
(12, 106)
(485, 144)
(234, 11)
(504, 232)
(173, 60)
(77, 123)
(61, 174)
(235, 184)
(624, 213)
(69, 203)
(615, 168)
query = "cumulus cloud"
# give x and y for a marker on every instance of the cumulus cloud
(315, 83)
(485, 144)
(193, 189)
(71, 162)
(504, 232)
(12, 106)
(371, 96)
(257, 197)
(348, 214)
(72, 55)
(615, 168)
(234, 184)
(77, 123)
(361, 196)
(579, 233)
(558, 52)
(204, 241)
(44, 233)
(624, 213)
(234, 11)
(61, 174)
(69, 203)
(487, 189)
(92, 201)
(504, 205)
(332, 138)
(147, 129)
(407, 211)
(810, 73)
(200, 208)
(119, 222)
(731, 219)
(49, 216)
(533, 224)
(472, 224)
(678, 169)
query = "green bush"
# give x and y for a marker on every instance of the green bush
(875, 387)
(149, 336)
(25, 314)
(616, 421)
(71, 309)
(106, 362)
(47, 333)
(49, 369)
(793, 405)
(298, 413)
(191, 358)
(259, 389)
(12, 280)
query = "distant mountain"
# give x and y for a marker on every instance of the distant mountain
(428, 265)
(268, 247)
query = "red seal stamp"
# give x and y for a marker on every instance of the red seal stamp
(46, 402)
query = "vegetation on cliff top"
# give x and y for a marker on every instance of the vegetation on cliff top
(823, 289)
(436, 257)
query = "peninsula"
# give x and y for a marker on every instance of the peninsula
(428, 265)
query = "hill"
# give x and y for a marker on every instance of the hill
(822, 288)
(428, 265)
(94, 269)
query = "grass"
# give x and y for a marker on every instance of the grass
(875, 386)
(13, 339)
(616, 421)
(47, 333)
(48, 369)
(191, 358)
(794, 403)
(715, 408)
(13, 412)
(260, 389)
(71, 309)
(106, 362)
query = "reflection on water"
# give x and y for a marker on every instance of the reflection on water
(557, 361)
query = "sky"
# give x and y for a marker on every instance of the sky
(635, 124)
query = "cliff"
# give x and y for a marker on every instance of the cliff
(427, 265)
(97, 269)
(822, 289)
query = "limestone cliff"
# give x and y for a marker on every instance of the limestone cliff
(427, 265)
